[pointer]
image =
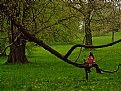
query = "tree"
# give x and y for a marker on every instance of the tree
(95, 15)
(85, 8)
(36, 19)
(106, 16)
(115, 18)
(31, 38)
(53, 19)
(16, 38)
(51, 50)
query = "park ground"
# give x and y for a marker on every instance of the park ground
(48, 73)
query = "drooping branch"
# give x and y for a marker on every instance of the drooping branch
(45, 46)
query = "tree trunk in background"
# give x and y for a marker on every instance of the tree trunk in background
(88, 33)
(113, 36)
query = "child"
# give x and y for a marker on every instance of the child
(92, 62)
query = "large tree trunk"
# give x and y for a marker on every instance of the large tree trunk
(17, 55)
(17, 52)
(17, 49)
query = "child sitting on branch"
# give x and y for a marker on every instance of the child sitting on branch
(92, 63)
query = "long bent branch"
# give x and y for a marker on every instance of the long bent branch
(88, 46)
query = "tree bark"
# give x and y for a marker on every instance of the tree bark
(17, 54)
(88, 33)
(113, 36)
(17, 49)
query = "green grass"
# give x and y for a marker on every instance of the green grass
(48, 73)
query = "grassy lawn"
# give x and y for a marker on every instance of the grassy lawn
(48, 73)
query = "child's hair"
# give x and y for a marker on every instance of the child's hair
(91, 54)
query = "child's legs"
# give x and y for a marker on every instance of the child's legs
(88, 70)
(97, 68)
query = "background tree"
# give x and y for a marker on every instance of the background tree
(105, 17)
(96, 16)
(86, 10)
